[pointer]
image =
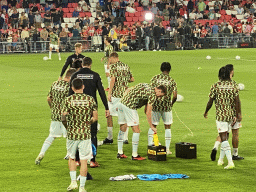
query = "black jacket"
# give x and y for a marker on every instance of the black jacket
(69, 62)
(157, 31)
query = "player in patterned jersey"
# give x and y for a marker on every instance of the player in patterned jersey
(226, 96)
(120, 76)
(54, 43)
(58, 92)
(235, 129)
(108, 50)
(162, 107)
(133, 99)
(79, 112)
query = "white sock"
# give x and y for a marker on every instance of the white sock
(226, 147)
(126, 134)
(50, 54)
(47, 143)
(235, 151)
(216, 145)
(168, 137)
(59, 55)
(120, 140)
(73, 176)
(135, 143)
(82, 181)
(108, 81)
(150, 137)
(110, 133)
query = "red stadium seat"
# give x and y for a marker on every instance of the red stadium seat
(65, 14)
(88, 14)
(137, 14)
(129, 19)
(140, 9)
(136, 4)
(126, 14)
(65, 10)
(223, 12)
(141, 19)
(126, 23)
(74, 5)
(131, 14)
(42, 15)
(71, 10)
(69, 5)
(135, 19)
(82, 14)
(69, 15)
(132, 23)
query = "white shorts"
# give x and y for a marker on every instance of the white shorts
(113, 106)
(106, 68)
(57, 129)
(166, 116)
(127, 115)
(83, 146)
(54, 46)
(223, 126)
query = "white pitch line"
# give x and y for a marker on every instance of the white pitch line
(235, 59)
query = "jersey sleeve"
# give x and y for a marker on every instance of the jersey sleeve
(113, 71)
(174, 86)
(212, 92)
(64, 68)
(153, 81)
(152, 98)
(95, 106)
(65, 108)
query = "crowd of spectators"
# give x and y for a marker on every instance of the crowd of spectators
(24, 20)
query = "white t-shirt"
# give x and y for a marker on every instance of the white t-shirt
(211, 5)
(192, 15)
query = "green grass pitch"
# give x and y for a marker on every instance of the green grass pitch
(25, 120)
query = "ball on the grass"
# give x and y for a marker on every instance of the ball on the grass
(180, 98)
(241, 86)
(237, 57)
(208, 57)
(45, 58)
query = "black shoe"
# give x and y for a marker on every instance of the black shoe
(108, 141)
(213, 154)
(126, 142)
(237, 157)
(89, 177)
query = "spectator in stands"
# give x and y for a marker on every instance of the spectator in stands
(140, 35)
(4, 15)
(75, 32)
(180, 20)
(196, 36)
(13, 3)
(158, 19)
(157, 35)
(24, 34)
(108, 6)
(86, 21)
(215, 30)
(190, 6)
(25, 5)
(210, 5)
(122, 8)
(145, 4)
(248, 29)
(41, 9)
(212, 15)
(240, 9)
(38, 20)
(114, 10)
(23, 20)
(166, 13)
(217, 6)
(75, 13)
(201, 6)
(43, 37)
(203, 32)
(64, 3)
(199, 15)
(47, 18)
(42, 2)
(15, 19)
(34, 8)
(79, 8)
(193, 15)
(86, 7)
(113, 35)
(61, 13)
(98, 9)
(148, 33)
(226, 32)
(56, 19)
(96, 21)
(123, 44)
(130, 9)
(107, 19)
(154, 9)
(4, 5)
(205, 15)
(47, 7)
(84, 33)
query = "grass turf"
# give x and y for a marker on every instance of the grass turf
(25, 120)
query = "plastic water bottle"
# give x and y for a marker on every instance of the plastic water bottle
(156, 141)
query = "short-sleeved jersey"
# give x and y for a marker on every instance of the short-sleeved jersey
(123, 75)
(139, 96)
(164, 103)
(80, 109)
(58, 92)
(224, 93)
(108, 50)
(54, 39)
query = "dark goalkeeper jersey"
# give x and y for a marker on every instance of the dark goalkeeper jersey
(58, 92)
(69, 62)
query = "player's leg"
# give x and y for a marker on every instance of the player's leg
(109, 139)
(85, 151)
(50, 51)
(107, 73)
(126, 134)
(235, 141)
(168, 120)
(93, 163)
(223, 129)
(58, 51)
(215, 148)
(72, 147)
(123, 126)
(155, 121)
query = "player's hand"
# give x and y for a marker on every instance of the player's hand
(109, 97)
(59, 78)
(205, 115)
(234, 121)
(154, 129)
(239, 118)
(107, 113)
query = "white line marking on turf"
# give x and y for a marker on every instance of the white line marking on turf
(235, 59)
(192, 134)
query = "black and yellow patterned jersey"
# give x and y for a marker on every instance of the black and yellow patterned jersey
(123, 75)
(224, 93)
(80, 109)
(108, 50)
(138, 96)
(58, 92)
(164, 103)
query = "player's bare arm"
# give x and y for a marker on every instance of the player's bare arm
(148, 114)
(49, 100)
(111, 85)
(208, 107)
(94, 117)
(238, 108)
(132, 79)
(174, 98)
